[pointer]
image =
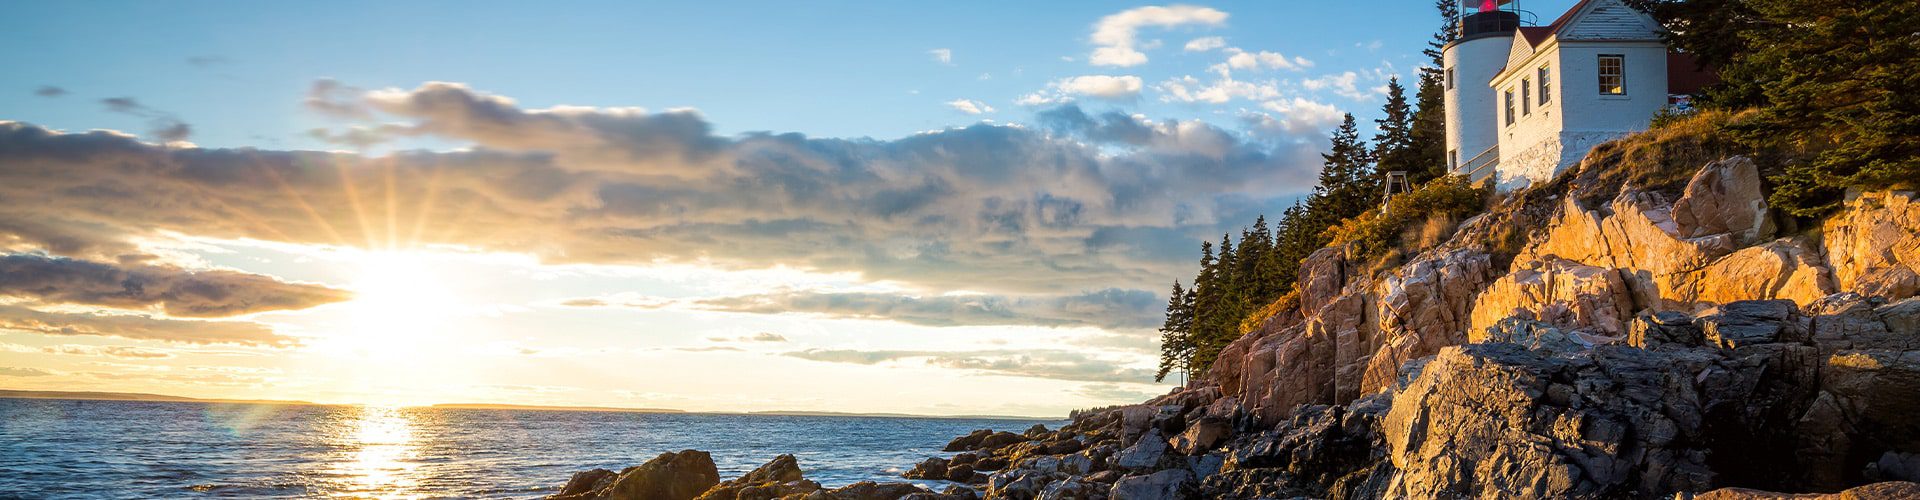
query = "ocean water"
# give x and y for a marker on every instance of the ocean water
(124, 449)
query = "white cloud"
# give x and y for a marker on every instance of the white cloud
(969, 106)
(1114, 36)
(1205, 44)
(1241, 59)
(1112, 88)
(1294, 116)
(1344, 85)
(1188, 89)
(942, 56)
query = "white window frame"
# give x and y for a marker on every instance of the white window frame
(1619, 74)
(1449, 78)
(1509, 102)
(1526, 97)
(1546, 84)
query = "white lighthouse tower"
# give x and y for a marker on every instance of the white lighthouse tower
(1486, 31)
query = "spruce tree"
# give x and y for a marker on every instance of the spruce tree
(1348, 186)
(1393, 146)
(1176, 339)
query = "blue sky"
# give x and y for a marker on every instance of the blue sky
(572, 203)
(834, 69)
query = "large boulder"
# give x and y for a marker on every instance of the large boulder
(1782, 269)
(1892, 490)
(1873, 244)
(1724, 198)
(1171, 484)
(1560, 292)
(777, 478)
(670, 476)
(1424, 306)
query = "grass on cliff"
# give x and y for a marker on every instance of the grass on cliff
(1410, 222)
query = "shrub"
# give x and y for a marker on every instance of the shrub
(1381, 230)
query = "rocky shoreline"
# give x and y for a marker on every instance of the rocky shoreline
(1678, 341)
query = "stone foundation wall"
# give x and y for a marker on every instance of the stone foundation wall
(1543, 161)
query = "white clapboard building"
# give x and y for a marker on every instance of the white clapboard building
(1525, 102)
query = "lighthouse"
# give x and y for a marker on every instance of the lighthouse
(1486, 31)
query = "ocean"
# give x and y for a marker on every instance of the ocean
(128, 449)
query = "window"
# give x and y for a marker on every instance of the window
(1546, 85)
(1526, 97)
(1453, 160)
(1449, 78)
(1613, 74)
(1509, 106)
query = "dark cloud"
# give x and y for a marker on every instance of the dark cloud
(140, 327)
(1058, 365)
(178, 292)
(50, 91)
(1061, 210)
(161, 125)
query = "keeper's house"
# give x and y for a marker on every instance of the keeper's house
(1526, 102)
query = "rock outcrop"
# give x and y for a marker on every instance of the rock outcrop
(670, 476)
(690, 474)
(1873, 244)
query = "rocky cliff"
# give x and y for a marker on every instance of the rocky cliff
(1635, 341)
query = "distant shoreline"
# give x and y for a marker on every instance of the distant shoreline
(163, 398)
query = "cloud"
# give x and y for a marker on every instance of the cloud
(1224, 89)
(1112, 88)
(1240, 59)
(969, 106)
(161, 125)
(1204, 44)
(1344, 84)
(127, 352)
(12, 371)
(50, 91)
(208, 61)
(1115, 36)
(1127, 393)
(1110, 309)
(716, 348)
(757, 337)
(942, 56)
(988, 208)
(1292, 117)
(178, 292)
(140, 327)
(1045, 364)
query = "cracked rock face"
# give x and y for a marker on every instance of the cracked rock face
(1873, 244)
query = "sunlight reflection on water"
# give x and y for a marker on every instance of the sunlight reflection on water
(382, 457)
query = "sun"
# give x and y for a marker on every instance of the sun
(400, 303)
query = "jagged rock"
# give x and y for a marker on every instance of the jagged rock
(960, 473)
(990, 463)
(1426, 305)
(1322, 276)
(1651, 330)
(1781, 269)
(1164, 485)
(670, 476)
(1896, 466)
(932, 468)
(1743, 323)
(1201, 436)
(1873, 246)
(869, 490)
(1852, 321)
(1559, 292)
(1000, 440)
(1724, 198)
(1878, 491)
(1537, 336)
(1637, 236)
(777, 478)
(1866, 407)
(969, 441)
(1144, 454)
(585, 482)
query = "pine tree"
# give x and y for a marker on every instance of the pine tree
(1176, 333)
(1448, 32)
(1348, 186)
(1393, 146)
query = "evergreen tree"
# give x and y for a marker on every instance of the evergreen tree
(1348, 186)
(1448, 32)
(1429, 150)
(1393, 146)
(1842, 80)
(1176, 339)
